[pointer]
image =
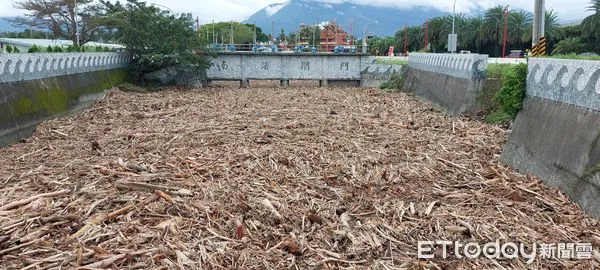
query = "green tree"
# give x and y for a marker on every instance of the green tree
(591, 25)
(61, 17)
(282, 37)
(156, 38)
(260, 36)
(49, 49)
(34, 49)
(242, 33)
(9, 49)
(470, 37)
(520, 28)
(493, 27)
(311, 35)
(569, 45)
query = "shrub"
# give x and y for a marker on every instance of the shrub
(498, 70)
(58, 49)
(34, 49)
(9, 49)
(106, 49)
(511, 95)
(49, 49)
(396, 83)
(16, 50)
(70, 48)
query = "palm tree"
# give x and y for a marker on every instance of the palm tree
(552, 26)
(493, 26)
(520, 26)
(569, 45)
(470, 37)
(591, 24)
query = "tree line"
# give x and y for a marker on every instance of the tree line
(485, 34)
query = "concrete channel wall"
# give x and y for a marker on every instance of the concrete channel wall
(452, 81)
(556, 136)
(35, 87)
(359, 69)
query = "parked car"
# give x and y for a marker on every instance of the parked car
(516, 54)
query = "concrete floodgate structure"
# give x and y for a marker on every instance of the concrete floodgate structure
(329, 69)
(556, 134)
(452, 81)
(35, 87)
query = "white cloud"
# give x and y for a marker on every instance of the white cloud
(226, 10)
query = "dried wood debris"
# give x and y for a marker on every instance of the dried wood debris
(266, 178)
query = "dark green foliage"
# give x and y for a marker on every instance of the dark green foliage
(511, 95)
(396, 83)
(34, 49)
(49, 49)
(70, 48)
(16, 50)
(9, 49)
(58, 49)
(106, 49)
(156, 38)
(498, 71)
(99, 49)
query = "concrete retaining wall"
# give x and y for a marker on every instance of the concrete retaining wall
(299, 66)
(556, 135)
(30, 66)
(453, 81)
(35, 87)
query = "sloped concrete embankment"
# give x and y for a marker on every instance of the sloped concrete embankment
(556, 135)
(35, 87)
(376, 74)
(452, 81)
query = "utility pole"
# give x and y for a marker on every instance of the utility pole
(539, 21)
(453, 38)
(505, 32)
(426, 39)
(254, 39)
(231, 35)
(352, 34)
(335, 39)
(76, 23)
(405, 40)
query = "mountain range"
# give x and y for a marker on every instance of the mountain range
(292, 13)
(5, 25)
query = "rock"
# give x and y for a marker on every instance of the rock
(176, 76)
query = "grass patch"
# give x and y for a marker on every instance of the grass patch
(498, 70)
(573, 56)
(509, 99)
(396, 83)
(392, 61)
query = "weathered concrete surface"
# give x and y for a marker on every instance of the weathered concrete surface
(29, 66)
(376, 74)
(24, 104)
(453, 94)
(556, 135)
(241, 66)
(452, 81)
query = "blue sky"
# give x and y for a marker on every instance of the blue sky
(225, 10)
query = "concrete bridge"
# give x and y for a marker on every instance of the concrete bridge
(329, 69)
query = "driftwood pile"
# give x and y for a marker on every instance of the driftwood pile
(266, 178)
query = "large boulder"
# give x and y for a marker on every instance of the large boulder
(176, 76)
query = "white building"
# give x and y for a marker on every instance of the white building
(23, 44)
